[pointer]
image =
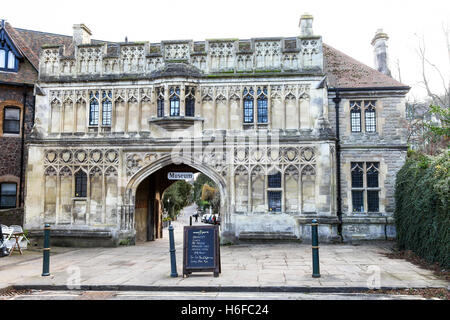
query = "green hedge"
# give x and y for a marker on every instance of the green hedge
(422, 214)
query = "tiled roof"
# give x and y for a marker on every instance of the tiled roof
(345, 72)
(30, 42)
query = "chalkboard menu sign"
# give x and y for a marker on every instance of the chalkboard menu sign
(201, 250)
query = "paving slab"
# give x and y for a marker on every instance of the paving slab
(280, 265)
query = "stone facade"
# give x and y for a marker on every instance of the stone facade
(257, 116)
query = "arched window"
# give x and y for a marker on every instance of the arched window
(106, 108)
(369, 116)
(262, 105)
(355, 116)
(190, 102)
(93, 109)
(248, 105)
(80, 184)
(174, 101)
(160, 102)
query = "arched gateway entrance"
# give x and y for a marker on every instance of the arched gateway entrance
(146, 190)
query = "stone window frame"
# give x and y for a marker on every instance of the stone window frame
(363, 107)
(10, 104)
(365, 167)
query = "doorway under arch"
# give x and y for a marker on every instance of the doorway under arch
(147, 187)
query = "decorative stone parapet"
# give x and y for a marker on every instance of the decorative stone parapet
(213, 56)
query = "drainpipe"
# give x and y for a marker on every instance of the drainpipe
(22, 147)
(337, 101)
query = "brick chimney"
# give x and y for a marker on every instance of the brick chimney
(305, 25)
(81, 34)
(379, 44)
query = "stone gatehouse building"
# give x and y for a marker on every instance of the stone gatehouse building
(290, 129)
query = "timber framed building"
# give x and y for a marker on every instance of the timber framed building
(290, 129)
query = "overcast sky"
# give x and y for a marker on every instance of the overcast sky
(347, 25)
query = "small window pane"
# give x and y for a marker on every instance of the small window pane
(358, 201)
(11, 60)
(357, 175)
(372, 175)
(11, 121)
(160, 107)
(106, 112)
(370, 120)
(248, 110)
(274, 201)
(262, 110)
(2, 58)
(355, 116)
(174, 106)
(80, 184)
(93, 114)
(190, 107)
(275, 180)
(373, 201)
(8, 195)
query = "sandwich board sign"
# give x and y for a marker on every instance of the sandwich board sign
(201, 250)
(180, 176)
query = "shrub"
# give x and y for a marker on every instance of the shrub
(422, 215)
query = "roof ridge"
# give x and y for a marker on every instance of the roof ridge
(43, 32)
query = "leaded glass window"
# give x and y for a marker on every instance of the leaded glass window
(274, 180)
(174, 101)
(357, 175)
(372, 174)
(274, 198)
(160, 102)
(365, 186)
(369, 116)
(190, 102)
(373, 201)
(93, 108)
(358, 201)
(106, 108)
(355, 116)
(248, 105)
(262, 105)
(80, 184)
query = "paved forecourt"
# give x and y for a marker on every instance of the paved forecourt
(252, 267)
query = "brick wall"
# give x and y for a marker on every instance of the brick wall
(11, 144)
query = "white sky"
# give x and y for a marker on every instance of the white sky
(347, 25)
